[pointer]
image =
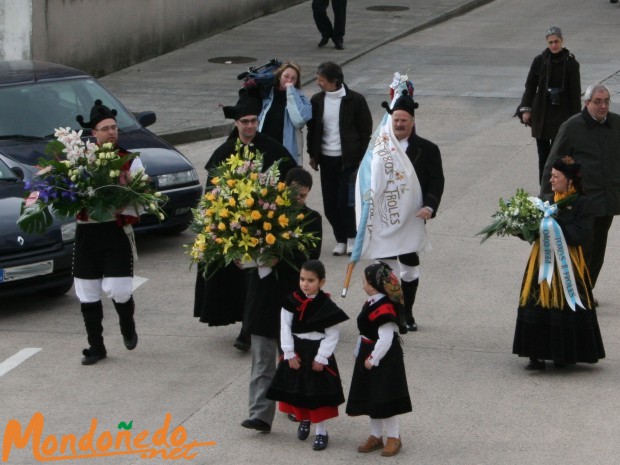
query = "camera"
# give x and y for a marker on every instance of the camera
(555, 95)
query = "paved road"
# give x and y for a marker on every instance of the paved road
(473, 402)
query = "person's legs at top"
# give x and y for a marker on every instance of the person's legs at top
(323, 24)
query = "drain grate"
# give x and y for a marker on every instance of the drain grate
(387, 8)
(231, 60)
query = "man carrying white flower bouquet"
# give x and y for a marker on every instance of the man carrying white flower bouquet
(104, 250)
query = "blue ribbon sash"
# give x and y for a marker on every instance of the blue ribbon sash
(555, 250)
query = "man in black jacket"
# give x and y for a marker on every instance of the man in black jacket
(338, 135)
(592, 138)
(426, 160)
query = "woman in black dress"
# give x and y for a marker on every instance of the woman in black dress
(547, 327)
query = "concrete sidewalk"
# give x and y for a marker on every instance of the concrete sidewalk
(186, 90)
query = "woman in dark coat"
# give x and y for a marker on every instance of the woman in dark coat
(552, 94)
(547, 327)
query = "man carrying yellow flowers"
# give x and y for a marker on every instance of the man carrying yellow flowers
(220, 300)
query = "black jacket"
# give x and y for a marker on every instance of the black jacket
(426, 159)
(559, 70)
(355, 127)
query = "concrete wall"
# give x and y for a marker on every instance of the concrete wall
(15, 29)
(102, 36)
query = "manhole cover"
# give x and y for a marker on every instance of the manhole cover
(387, 8)
(231, 60)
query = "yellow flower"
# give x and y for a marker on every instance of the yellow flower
(283, 220)
(215, 181)
(224, 213)
(285, 235)
(279, 201)
(267, 226)
(231, 182)
(253, 176)
(281, 186)
(270, 214)
(301, 216)
(249, 202)
(209, 212)
(232, 202)
(254, 241)
(210, 197)
(255, 215)
(263, 192)
(221, 226)
(270, 239)
(244, 230)
(218, 240)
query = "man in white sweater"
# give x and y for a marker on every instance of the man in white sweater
(338, 135)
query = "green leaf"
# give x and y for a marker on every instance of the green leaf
(35, 219)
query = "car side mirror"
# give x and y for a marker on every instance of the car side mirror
(146, 118)
(18, 172)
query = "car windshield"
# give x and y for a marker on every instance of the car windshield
(34, 110)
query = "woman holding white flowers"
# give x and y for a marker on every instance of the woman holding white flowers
(556, 318)
(104, 249)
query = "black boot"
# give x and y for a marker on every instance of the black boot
(128, 325)
(93, 316)
(409, 291)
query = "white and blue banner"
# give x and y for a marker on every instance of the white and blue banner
(388, 196)
(554, 250)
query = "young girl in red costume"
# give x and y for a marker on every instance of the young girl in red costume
(307, 382)
(379, 385)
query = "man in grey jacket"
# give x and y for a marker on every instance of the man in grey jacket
(592, 138)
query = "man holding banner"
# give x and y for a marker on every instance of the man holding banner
(399, 187)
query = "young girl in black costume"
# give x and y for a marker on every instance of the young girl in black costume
(307, 382)
(379, 385)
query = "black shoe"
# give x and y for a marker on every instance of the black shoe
(292, 417)
(132, 342)
(338, 44)
(242, 344)
(613, 1)
(320, 442)
(559, 365)
(534, 364)
(303, 430)
(91, 357)
(412, 327)
(258, 425)
(323, 41)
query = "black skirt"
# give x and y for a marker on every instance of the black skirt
(102, 250)
(553, 331)
(564, 336)
(306, 388)
(381, 392)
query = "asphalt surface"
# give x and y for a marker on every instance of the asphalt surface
(473, 403)
(186, 89)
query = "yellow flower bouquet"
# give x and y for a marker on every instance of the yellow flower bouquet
(247, 216)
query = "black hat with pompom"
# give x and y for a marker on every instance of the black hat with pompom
(98, 113)
(404, 102)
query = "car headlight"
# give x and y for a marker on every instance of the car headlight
(68, 231)
(176, 179)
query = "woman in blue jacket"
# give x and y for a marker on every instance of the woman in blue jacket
(286, 110)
